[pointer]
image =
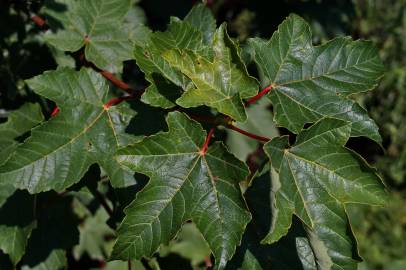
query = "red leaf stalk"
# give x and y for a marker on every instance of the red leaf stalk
(206, 143)
(55, 111)
(38, 20)
(258, 96)
(115, 101)
(248, 134)
(117, 82)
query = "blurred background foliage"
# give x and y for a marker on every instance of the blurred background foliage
(381, 231)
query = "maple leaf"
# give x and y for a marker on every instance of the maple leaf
(18, 123)
(314, 179)
(309, 83)
(185, 184)
(95, 24)
(84, 132)
(221, 82)
(187, 34)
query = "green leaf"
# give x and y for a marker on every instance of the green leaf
(149, 58)
(190, 244)
(310, 82)
(220, 83)
(93, 233)
(278, 256)
(184, 185)
(6, 190)
(194, 33)
(16, 224)
(95, 24)
(201, 17)
(55, 261)
(19, 122)
(305, 253)
(314, 179)
(59, 152)
(250, 262)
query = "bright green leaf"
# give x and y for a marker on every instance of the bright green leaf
(184, 185)
(180, 35)
(310, 82)
(220, 83)
(202, 18)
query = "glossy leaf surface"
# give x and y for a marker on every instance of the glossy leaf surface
(184, 184)
(311, 82)
(95, 24)
(60, 151)
(314, 179)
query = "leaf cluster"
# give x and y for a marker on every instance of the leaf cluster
(149, 160)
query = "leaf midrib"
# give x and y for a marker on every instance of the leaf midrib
(63, 145)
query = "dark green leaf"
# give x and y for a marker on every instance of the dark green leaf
(314, 179)
(16, 223)
(19, 122)
(95, 24)
(184, 184)
(310, 82)
(59, 152)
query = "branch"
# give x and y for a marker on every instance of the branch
(258, 96)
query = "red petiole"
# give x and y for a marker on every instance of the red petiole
(55, 111)
(38, 20)
(115, 101)
(108, 75)
(117, 82)
(258, 96)
(206, 143)
(248, 134)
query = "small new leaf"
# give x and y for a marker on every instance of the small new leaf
(221, 82)
(184, 184)
(310, 82)
(314, 179)
(167, 83)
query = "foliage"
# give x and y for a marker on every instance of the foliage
(150, 166)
